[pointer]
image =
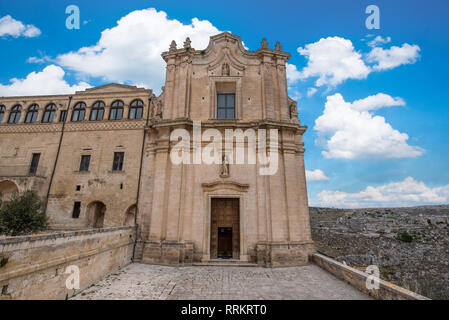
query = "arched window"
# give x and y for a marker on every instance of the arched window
(97, 111)
(79, 111)
(116, 112)
(49, 114)
(136, 110)
(31, 117)
(14, 116)
(2, 113)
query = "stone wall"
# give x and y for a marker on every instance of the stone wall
(357, 278)
(33, 267)
(175, 202)
(58, 177)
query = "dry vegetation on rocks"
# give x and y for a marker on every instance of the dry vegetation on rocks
(410, 245)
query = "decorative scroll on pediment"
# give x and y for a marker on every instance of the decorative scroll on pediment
(225, 65)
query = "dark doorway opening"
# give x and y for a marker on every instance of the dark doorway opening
(225, 229)
(224, 250)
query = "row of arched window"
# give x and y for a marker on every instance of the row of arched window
(79, 112)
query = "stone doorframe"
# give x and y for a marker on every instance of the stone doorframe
(224, 189)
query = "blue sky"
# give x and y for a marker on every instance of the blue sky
(407, 171)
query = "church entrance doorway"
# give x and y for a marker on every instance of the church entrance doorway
(225, 229)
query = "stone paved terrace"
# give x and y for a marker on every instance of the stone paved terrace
(142, 281)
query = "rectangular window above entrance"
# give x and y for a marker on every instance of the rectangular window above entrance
(225, 106)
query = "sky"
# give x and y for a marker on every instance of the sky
(374, 100)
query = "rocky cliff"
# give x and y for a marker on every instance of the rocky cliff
(409, 245)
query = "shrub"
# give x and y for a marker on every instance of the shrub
(385, 272)
(404, 236)
(22, 214)
(3, 262)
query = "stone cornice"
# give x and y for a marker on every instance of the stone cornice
(30, 127)
(220, 184)
(105, 125)
(217, 123)
(121, 90)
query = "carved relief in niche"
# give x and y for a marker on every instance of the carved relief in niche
(225, 71)
(160, 108)
(224, 169)
(293, 110)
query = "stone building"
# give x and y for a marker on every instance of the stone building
(103, 157)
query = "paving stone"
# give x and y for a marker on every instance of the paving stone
(144, 281)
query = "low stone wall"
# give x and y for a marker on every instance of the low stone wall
(357, 278)
(283, 254)
(33, 267)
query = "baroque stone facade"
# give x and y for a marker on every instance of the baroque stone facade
(104, 159)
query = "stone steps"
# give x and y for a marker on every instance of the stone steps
(224, 263)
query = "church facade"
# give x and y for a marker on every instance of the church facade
(108, 156)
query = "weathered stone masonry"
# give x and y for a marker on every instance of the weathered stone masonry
(172, 204)
(35, 266)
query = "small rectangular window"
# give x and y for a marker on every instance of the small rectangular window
(226, 106)
(76, 210)
(85, 161)
(63, 116)
(34, 164)
(117, 164)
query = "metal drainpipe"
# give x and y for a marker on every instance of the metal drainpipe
(57, 153)
(140, 175)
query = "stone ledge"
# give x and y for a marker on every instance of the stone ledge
(56, 235)
(357, 278)
(35, 264)
(36, 267)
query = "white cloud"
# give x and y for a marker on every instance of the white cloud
(311, 91)
(378, 40)
(333, 60)
(41, 59)
(347, 130)
(316, 175)
(293, 75)
(386, 59)
(404, 193)
(131, 51)
(14, 28)
(48, 81)
(294, 94)
(377, 101)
